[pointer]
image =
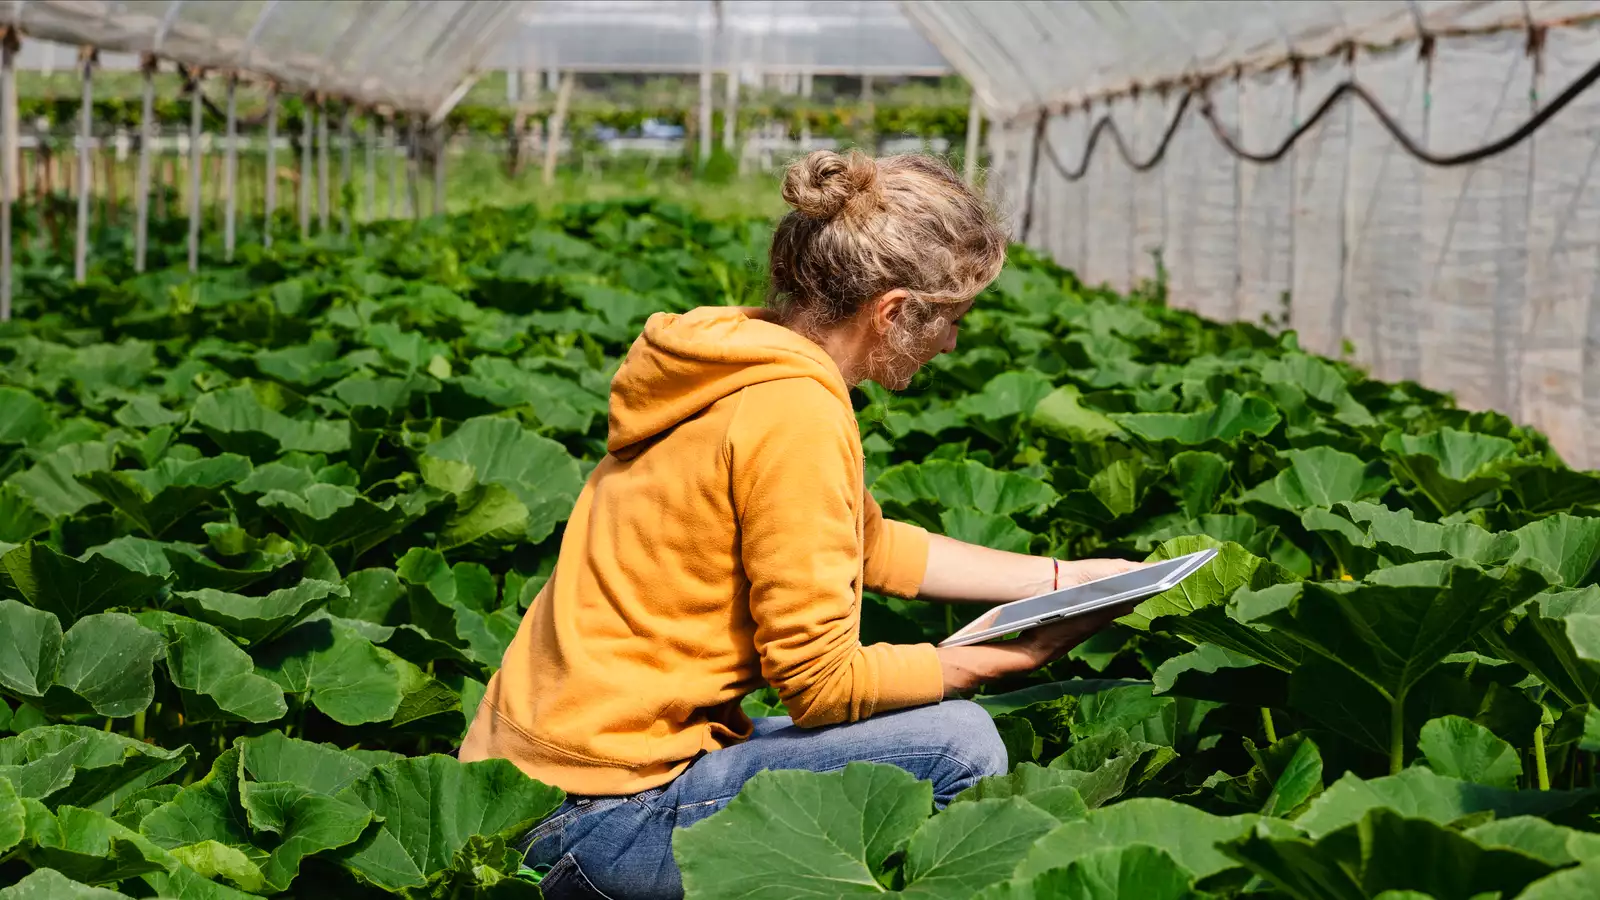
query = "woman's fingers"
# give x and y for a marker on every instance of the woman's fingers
(1051, 642)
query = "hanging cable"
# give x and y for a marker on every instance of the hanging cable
(1352, 88)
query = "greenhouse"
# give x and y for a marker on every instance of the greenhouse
(326, 329)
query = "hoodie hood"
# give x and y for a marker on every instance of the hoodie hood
(683, 363)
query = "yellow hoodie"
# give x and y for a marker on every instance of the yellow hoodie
(722, 544)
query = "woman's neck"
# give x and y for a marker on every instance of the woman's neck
(846, 343)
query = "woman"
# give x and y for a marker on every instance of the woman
(724, 541)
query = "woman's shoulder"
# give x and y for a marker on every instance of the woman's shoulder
(792, 405)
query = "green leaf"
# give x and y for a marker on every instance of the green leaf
(304, 823)
(1007, 394)
(1553, 844)
(333, 516)
(52, 484)
(431, 806)
(1461, 748)
(217, 679)
(1134, 872)
(1421, 793)
(237, 420)
(156, 499)
(213, 860)
(323, 768)
(1450, 468)
(1319, 477)
(76, 766)
(1391, 631)
(256, 620)
(510, 481)
(827, 835)
(1209, 672)
(1061, 414)
(947, 484)
(345, 676)
(972, 845)
(73, 588)
(985, 530)
(1049, 789)
(48, 884)
(24, 418)
(1557, 638)
(1232, 418)
(1232, 569)
(1569, 546)
(1186, 834)
(103, 663)
(1201, 478)
(87, 846)
(13, 816)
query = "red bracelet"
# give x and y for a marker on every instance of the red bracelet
(1057, 563)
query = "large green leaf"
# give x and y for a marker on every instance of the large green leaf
(48, 884)
(87, 846)
(52, 484)
(258, 619)
(1557, 638)
(816, 835)
(87, 767)
(239, 422)
(158, 498)
(1063, 414)
(216, 678)
(104, 663)
(318, 767)
(511, 484)
(24, 418)
(1421, 793)
(334, 516)
(1049, 789)
(1461, 748)
(947, 484)
(1449, 467)
(1233, 417)
(1392, 630)
(971, 846)
(73, 588)
(1320, 477)
(1187, 834)
(343, 674)
(431, 807)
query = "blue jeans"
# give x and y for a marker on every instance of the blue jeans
(620, 848)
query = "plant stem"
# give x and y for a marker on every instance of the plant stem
(138, 725)
(1266, 723)
(1397, 734)
(1539, 763)
(949, 619)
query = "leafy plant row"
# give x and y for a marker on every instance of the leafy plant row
(265, 534)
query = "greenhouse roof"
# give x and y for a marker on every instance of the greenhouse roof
(850, 37)
(1021, 55)
(410, 54)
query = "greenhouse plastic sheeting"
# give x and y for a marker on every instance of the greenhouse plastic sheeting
(409, 54)
(1021, 54)
(818, 36)
(1477, 279)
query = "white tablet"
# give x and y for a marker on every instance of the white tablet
(1124, 589)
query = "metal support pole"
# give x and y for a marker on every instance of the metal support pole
(413, 196)
(705, 114)
(974, 131)
(371, 170)
(322, 168)
(391, 143)
(730, 110)
(195, 110)
(230, 173)
(345, 203)
(441, 141)
(558, 123)
(269, 200)
(141, 188)
(8, 173)
(307, 170)
(80, 252)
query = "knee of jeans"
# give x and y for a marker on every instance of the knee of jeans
(974, 739)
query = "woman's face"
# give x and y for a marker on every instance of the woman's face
(917, 345)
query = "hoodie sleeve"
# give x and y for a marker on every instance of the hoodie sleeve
(897, 553)
(796, 489)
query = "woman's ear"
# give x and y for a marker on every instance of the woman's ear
(888, 307)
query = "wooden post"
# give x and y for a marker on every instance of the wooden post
(80, 252)
(269, 201)
(974, 131)
(195, 110)
(345, 210)
(230, 171)
(8, 171)
(730, 110)
(413, 164)
(307, 170)
(391, 146)
(558, 120)
(322, 167)
(371, 169)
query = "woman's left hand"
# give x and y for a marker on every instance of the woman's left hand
(1079, 571)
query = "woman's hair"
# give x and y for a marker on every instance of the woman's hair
(862, 227)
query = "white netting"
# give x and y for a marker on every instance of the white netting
(1477, 279)
(410, 55)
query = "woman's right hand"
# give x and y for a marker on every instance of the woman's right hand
(965, 668)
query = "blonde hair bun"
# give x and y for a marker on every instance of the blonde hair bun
(824, 184)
